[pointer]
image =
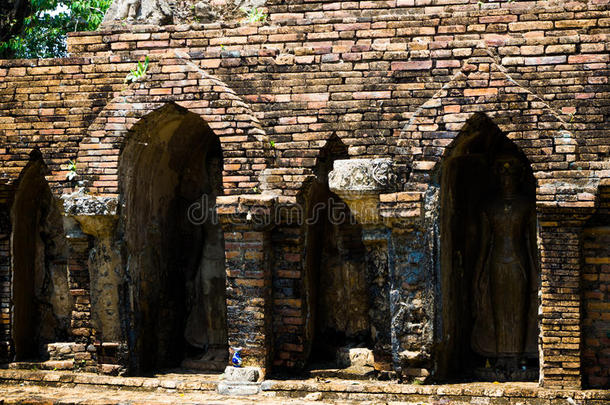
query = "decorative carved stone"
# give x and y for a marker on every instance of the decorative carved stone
(359, 182)
(81, 204)
(362, 176)
(157, 12)
(166, 12)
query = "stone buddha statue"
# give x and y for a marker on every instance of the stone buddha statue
(506, 274)
(205, 327)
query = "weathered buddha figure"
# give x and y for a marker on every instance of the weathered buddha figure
(505, 281)
(206, 321)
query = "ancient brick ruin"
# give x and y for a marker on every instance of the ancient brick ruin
(185, 228)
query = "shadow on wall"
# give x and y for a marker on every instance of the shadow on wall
(41, 299)
(175, 268)
(595, 283)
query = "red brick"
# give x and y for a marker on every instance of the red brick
(412, 65)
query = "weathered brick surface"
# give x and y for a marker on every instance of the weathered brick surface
(595, 282)
(288, 316)
(394, 79)
(596, 315)
(248, 262)
(78, 271)
(5, 273)
(560, 306)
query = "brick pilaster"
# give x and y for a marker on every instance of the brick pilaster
(560, 323)
(247, 241)
(288, 305)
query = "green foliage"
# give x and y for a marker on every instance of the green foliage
(71, 170)
(255, 15)
(44, 30)
(571, 117)
(138, 73)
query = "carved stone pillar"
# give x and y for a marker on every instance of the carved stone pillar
(412, 300)
(359, 182)
(378, 261)
(399, 249)
(95, 257)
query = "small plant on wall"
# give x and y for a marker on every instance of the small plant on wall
(255, 15)
(71, 175)
(138, 73)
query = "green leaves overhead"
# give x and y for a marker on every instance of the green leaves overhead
(44, 29)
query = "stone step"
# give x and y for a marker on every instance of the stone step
(348, 373)
(186, 388)
(465, 393)
(42, 365)
(178, 380)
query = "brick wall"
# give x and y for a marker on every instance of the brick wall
(307, 79)
(391, 79)
(80, 323)
(281, 10)
(288, 311)
(47, 104)
(596, 304)
(248, 255)
(596, 299)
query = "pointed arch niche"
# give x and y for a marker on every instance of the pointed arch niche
(170, 173)
(335, 284)
(489, 275)
(41, 300)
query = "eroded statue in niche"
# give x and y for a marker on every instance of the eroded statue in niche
(206, 321)
(506, 274)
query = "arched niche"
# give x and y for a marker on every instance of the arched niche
(335, 284)
(489, 276)
(41, 300)
(170, 173)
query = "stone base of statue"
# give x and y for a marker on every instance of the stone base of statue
(501, 374)
(212, 360)
(240, 381)
(203, 365)
(242, 374)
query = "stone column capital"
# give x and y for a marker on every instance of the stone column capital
(96, 215)
(359, 182)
